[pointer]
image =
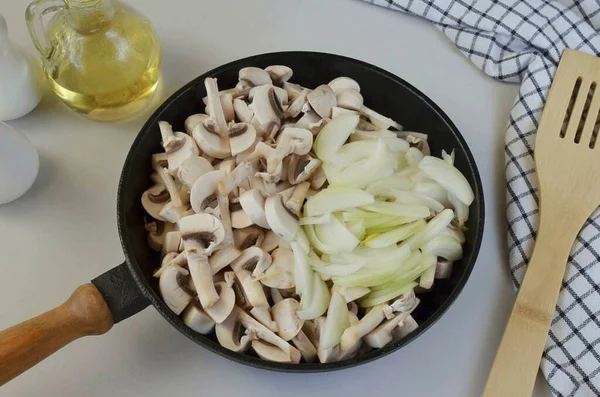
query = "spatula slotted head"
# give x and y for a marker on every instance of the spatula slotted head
(567, 148)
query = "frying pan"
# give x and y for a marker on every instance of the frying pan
(129, 288)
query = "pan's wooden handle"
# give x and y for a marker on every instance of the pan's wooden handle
(26, 344)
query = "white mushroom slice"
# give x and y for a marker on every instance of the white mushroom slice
(318, 179)
(216, 109)
(227, 165)
(241, 299)
(443, 269)
(252, 288)
(267, 109)
(253, 204)
(297, 105)
(263, 315)
(242, 111)
(292, 89)
(314, 334)
(338, 111)
(368, 323)
(157, 231)
(252, 77)
(230, 334)
(154, 199)
(260, 130)
(274, 188)
(194, 317)
(302, 168)
(295, 202)
(222, 258)
(201, 233)
(382, 335)
(193, 121)
(171, 212)
(219, 311)
(426, 278)
(343, 83)
(202, 277)
(276, 295)
(283, 222)
(305, 346)
(321, 100)
(169, 183)
(349, 99)
(178, 146)
(285, 314)
(241, 137)
(172, 289)
(279, 74)
(159, 160)
(253, 259)
(408, 325)
(260, 159)
(203, 196)
(290, 140)
(346, 354)
(247, 237)
(405, 303)
(268, 352)
(270, 242)
(268, 336)
(353, 308)
(193, 168)
(280, 94)
(206, 135)
(172, 242)
(173, 259)
(308, 120)
(239, 218)
(281, 272)
(227, 105)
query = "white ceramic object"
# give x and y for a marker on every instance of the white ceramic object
(19, 85)
(19, 164)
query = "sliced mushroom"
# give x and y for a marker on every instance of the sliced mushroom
(338, 111)
(290, 140)
(194, 317)
(174, 259)
(172, 242)
(419, 143)
(281, 271)
(216, 109)
(178, 146)
(382, 334)
(297, 105)
(305, 346)
(203, 195)
(349, 99)
(253, 205)
(405, 303)
(302, 168)
(247, 237)
(157, 231)
(443, 269)
(242, 111)
(343, 83)
(154, 199)
(269, 352)
(427, 277)
(253, 77)
(318, 179)
(201, 233)
(244, 266)
(346, 354)
(368, 323)
(292, 89)
(254, 260)
(193, 168)
(227, 165)
(260, 158)
(308, 120)
(206, 135)
(241, 137)
(285, 314)
(270, 242)
(202, 277)
(219, 311)
(408, 325)
(281, 220)
(171, 212)
(295, 202)
(239, 218)
(280, 94)
(321, 100)
(324, 355)
(267, 109)
(171, 186)
(192, 121)
(263, 315)
(279, 74)
(231, 334)
(173, 290)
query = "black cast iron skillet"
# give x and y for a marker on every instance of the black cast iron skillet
(130, 287)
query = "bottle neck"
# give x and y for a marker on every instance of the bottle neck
(89, 15)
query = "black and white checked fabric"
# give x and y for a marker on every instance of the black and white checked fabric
(522, 41)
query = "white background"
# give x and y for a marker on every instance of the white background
(63, 232)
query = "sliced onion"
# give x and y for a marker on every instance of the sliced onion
(412, 270)
(335, 133)
(357, 228)
(302, 272)
(414, 156)
(444, 246)
(397, 209)
(315, 220)
(448, 177)
(362, 173)
(302, 240)
(316, 243)
(385, 223)
(433, 190)
(335, 323)
(319, 300)
(448, 158)
(461, 210)
(433, 228)
(375, 298)
(334, 199)
(396, 235)
(379, 120)
(335, 234)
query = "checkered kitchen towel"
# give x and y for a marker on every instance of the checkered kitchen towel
(522, 41)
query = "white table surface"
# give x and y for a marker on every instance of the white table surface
(63, 232)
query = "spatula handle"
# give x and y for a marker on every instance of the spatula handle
(518, 358)
(26, 344)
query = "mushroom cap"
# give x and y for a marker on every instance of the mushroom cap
(292, 89)
(342, 83)
(280, 219)
(263, 315)
(192, 121)
(172, 288)
(203, 195)
(154, 199)
(253, 76)
(223, 257)
(270, 241)
(349, 99)
(285, 314)
(223, 307)
(302, 168)
(239, 218)
(207, 137)
(193, 168)
(267, 108)
(253, 204)
(201, 232)
(242, 136)
(254, 260)
(308, 120)
(297, 105)
(279, 73)
(242, 110)
(280, 94)
(281, 271)
(231, 334)
(194, 317)
(321, 100)
(300, 140)
(248, 236)
(268, 352)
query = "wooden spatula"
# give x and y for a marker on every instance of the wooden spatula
(567, 159)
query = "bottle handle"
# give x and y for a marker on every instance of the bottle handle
(35, 24)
